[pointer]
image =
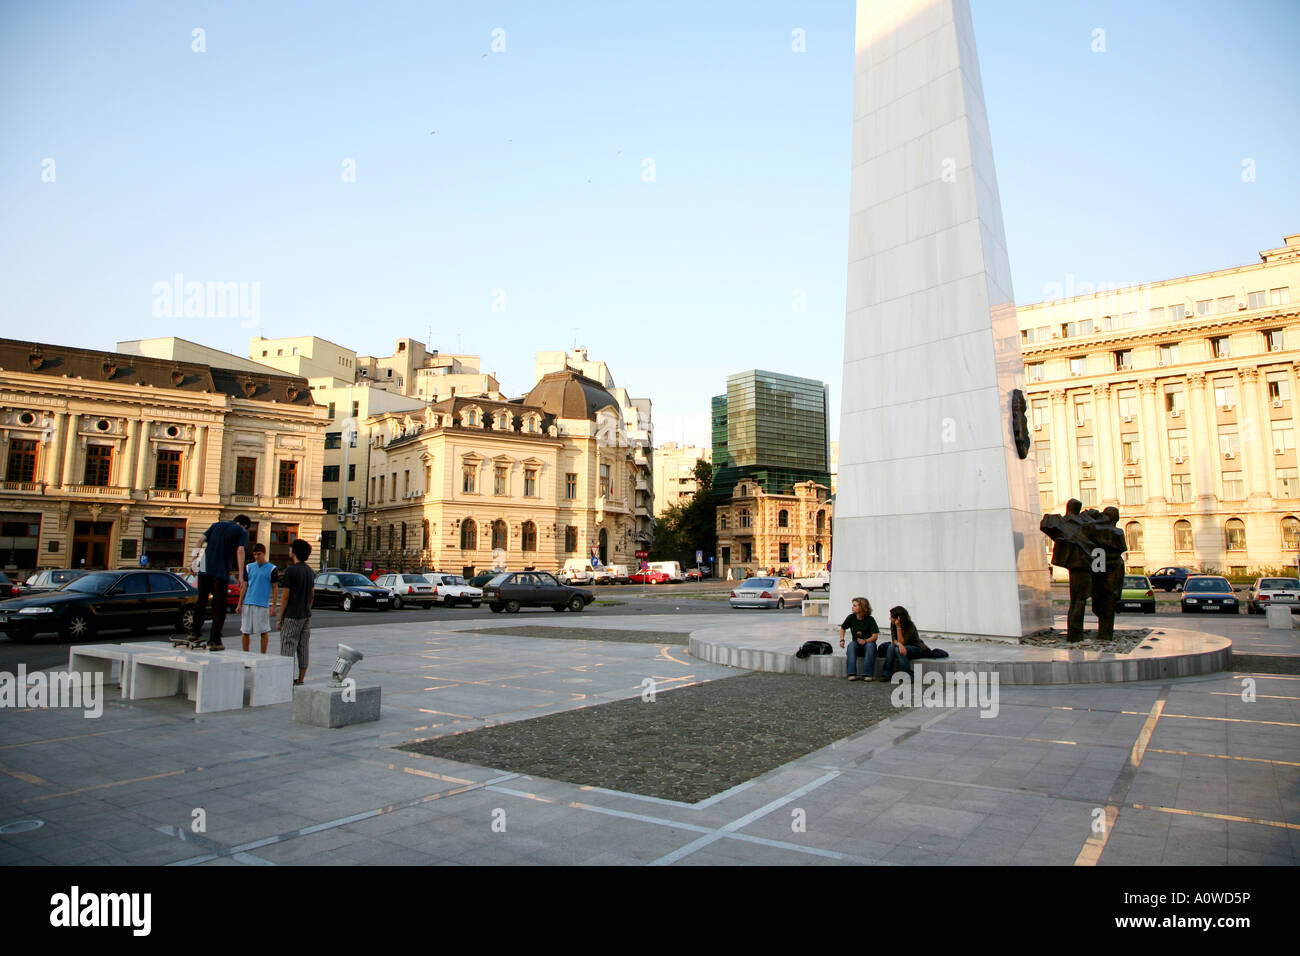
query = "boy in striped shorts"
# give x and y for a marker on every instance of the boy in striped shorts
(297, 587)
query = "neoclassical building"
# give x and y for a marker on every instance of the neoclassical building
(761, 530)
(474, 483)
(109, 457)
(1175, 401)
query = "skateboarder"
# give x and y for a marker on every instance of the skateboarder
(225, 542)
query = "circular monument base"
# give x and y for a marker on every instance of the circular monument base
(767, 641)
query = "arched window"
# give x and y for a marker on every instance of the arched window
(1133, 535)
(821, 522)
(424, 535)
(1235, 532)
(783, 519)
(530, 536)
(1290, 533)
(570, 539)
(1182, 536)
(468, 535)
(498, 535)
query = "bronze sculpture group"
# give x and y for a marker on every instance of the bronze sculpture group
(1090, 545)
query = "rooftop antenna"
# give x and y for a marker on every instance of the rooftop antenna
(575, 340)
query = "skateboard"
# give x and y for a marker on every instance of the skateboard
(191, 643)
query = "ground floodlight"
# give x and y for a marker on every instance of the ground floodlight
(346, 658)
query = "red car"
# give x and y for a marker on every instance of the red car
(232, 591)
(649, 577)
(694, 574)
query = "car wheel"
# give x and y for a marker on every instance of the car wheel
(512, 607)
(397, 603)
(496, 608)
(780, 604)
(185, 623)
(79, 626)
(576, 604)
(347, 604)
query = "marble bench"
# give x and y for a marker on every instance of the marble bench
(212, 683)
(272, 675)
(109, 658)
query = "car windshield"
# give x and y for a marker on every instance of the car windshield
(1208, 584)
(759, 583)
(1136, 583)
(499, 579)
(96, 583)
(454, 579)
(1280, 584)
(354, 581)
(63, 577)
(413, 579)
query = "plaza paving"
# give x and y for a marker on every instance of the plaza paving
(1183, 771)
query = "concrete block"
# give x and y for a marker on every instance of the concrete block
(322, 705)
(1279, 618)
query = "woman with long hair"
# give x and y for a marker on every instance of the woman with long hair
(905, 644)
(860, 660)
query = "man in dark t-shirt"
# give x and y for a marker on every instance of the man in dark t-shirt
(861, 652)
(224, 544)
(297, 587)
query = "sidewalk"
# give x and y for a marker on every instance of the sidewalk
(1184, 771)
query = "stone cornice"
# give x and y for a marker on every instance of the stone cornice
(1118, 339)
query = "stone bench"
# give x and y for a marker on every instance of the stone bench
(816, 608)
(110, 659)
(272, 675)
(212, 683)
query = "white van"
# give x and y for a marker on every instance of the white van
(670, 568)
(577, 571)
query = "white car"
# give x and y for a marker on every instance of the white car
(818, 579)
(451, 589)
(407, 589)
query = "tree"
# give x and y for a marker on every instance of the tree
(684, 529)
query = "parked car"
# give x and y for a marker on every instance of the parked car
(671, 568)
(50, 579)
(102, 601)
(232, 587)
(512, 590)
(577, 571)
(815, 581)
(1170, 579)
(7, 587)
(767, 593)
(694, 574)
(1138, 595)
(407, 589)
(649, 577)
(1208, 592)
(351, 592)
(615, 574)
(1269, 592)
(451, 589)
(483, 577)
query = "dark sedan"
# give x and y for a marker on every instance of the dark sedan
(351, 592)
(50, 580)
(1170, 579)
(7, 587)
(1209, 593)
(512, 590)
(102, 601)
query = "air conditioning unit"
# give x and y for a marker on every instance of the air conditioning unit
(1038, 428)
(1187, 313)
(1277, 451)
(1241, 305)
(1056, 335)
(342, 512)
(1176, 413)
(1226, 408)
(1229, 455)
(1128, 418)
(1130, 472)
(1161, 364)
(1276, 348)
(1085, 464)
(1277, 403)
(1042, 469)
(1081, 423)
(1178, 461)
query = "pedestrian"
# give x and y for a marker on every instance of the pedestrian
(294, 620)
(259, 593)
(905, 645)
(860, 662)
(223, 549)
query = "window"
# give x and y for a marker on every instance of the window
(1079, 365)
(1034, 371)
(331, 408)
(783, 552)
(1128, 320)
(1128, 406)
(333, 439)
(245, 476)
(1046, 502)
(571, 486)
(500, 534)
(1027, 336)
(1043, 454)
(821, 522)
(1290, 534)
(331, 505)
(392, 535)
(406, 482)
(330, 473)
(424, 535)
(1220, 347)
(1182, 536)
(1088, 493)
(1177, 312)
(1124, 359)
(99, 465)
(167, 474)
(1178, 443)
(1279, 387)
(1283, 436)
(372, 489)
(1169, 354)
(356, 409)
(1133, 536)
(529, 535)
(1229, 442)
(1225, 393)
(1279, 296)
(1133, 491)
(468, 535)
(743, 517)
(393, 486)
(352, 472)
(403, 535)
(1288, 483)
(468, 477)
(1081, 327)
(500, 479)
(783, 520)
(604, 480)
(1180, 488)
(1235, 533)
(1156, 315)
(288, 485)
(1131, 447)
(1275, 340)
(1225, 303)
(1082, 410)
(1042, 413)
(570, 540)
(530, 482)
(22, 460)
(1204, 306)
(1175, 399)
(1234, 489)
(1085, 449)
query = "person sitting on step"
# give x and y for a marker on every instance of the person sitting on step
(905, 644)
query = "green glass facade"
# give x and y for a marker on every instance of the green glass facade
(770, 429)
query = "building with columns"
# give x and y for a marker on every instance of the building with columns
(109, 457)
(1175, 401)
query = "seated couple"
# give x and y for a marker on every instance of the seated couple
(905, 645)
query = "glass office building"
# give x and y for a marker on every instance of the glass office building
(770, 429)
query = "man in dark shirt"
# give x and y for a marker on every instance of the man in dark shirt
(224, 543)
(297, 586)
(860, 662)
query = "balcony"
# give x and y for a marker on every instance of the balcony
(251, 500)
(98, 491)
(23, 487)
(169, 494)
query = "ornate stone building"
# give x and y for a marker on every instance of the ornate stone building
(109, 457)
(1175, 401)
(761, 530)
(476, 483)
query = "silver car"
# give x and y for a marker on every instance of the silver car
(407, 589)
(768, 592)
(1270, 592)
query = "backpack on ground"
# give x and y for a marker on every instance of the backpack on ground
(813, 647)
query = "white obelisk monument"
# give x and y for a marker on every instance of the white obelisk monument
(935, 508)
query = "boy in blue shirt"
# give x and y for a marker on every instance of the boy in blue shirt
(256, 598)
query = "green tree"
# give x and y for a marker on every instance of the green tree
(684, 529)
